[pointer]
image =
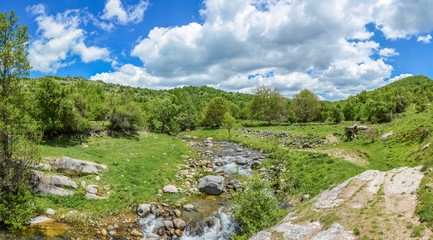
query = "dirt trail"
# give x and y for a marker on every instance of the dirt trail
(374, 204)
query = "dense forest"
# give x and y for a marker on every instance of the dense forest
(71, 105)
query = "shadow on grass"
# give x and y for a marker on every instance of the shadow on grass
(128, 136)
(61, 143)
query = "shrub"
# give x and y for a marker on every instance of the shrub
(16, 208)
(256, 208)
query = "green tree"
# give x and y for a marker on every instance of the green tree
(268, 105)
(48, 101)
(306, 106)
(18, 137)
(213, 113)
(228, 122)
(162, 114)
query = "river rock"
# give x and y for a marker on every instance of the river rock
(211, 185)
(53, 185)
(188, 207)
(242, 161)
(170, 189)
(136, 233)
(179, 224)
(94, 189)
(385, 136)
(179, 232)
(177, 213)
(144, 210)
(73, 167)
(168, 224)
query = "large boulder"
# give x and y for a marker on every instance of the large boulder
(211, 185)
(72, 166)
(54, 185)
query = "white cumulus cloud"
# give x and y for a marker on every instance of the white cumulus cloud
(58, 38)
(401, 76)
(322, 45)
(425, 39)
(114, 10)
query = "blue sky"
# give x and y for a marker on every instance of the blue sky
(334, 48)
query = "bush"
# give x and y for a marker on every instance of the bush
(125, 119)
(256, 208)
(16, 208)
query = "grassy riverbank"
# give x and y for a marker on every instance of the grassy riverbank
(139, 165)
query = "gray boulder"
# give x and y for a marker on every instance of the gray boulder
(144, 210)
(53, 185)
(72, 166)
(211, 185)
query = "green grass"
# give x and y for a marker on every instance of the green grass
(153, 162)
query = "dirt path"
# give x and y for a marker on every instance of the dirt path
(374, 204)
(356, 157)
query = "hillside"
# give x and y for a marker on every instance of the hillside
(201, 94)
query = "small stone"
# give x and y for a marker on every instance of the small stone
(177, 213)
(83, 184)
(116, 226)
(179, 232)
(188, 207)
(94, 189)
(160, 231)
(170, 189)
(50, 211)
(179, 224)
(136, 233)
(112, 232)
(110, 228)
(104, 232)
(172, 231)
(168, 224)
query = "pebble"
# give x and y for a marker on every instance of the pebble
(136, 233)
(104, 232)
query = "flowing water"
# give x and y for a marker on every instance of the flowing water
(210, 219)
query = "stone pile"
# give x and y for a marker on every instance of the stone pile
(172, 223)
(286, 138)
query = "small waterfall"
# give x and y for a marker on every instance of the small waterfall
(222, 228)
(149, 224)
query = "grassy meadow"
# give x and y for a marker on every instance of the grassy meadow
(138, 166)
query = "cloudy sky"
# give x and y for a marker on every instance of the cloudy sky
(334, 48)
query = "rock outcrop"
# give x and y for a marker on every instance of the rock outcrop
(54, 185)
(74, 167)
(387, 198)
(211, 185)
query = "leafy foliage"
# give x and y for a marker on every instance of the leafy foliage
(267, 105)
(17, 135)
(213, 114)
(306, 106)
(256, 207)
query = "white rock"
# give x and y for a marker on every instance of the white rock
(170, 189)
(38, 220)
(50, 211)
